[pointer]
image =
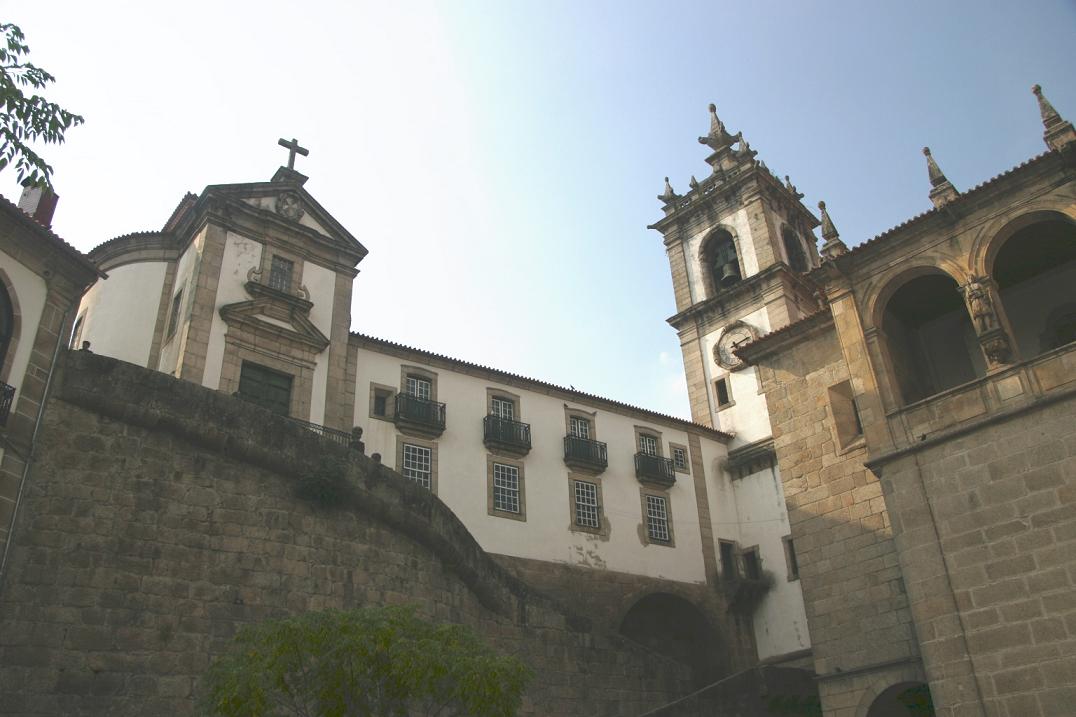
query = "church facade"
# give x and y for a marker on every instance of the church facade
(877, 483)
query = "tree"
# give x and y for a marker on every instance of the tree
(368, 662)
(27, 119)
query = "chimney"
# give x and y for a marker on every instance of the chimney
(39, 203)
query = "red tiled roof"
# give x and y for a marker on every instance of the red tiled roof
(50, 236)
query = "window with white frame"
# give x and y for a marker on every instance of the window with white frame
(657, 519)
(505, 488)
(586, 504)
(679, 456)
(579, 427)
(419, 387)
(417, 463)
(502, 407)
(648, 444)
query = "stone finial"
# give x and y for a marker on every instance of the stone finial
(718, 138)
(1057, 132)
(792, 188)
(942, 190)
(668, 196)
(832, 246)
(694, 183)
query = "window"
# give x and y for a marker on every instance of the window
(790, 558)
(76, 333)
(752, 564)
(7, 322)
(173, 314)
(502, 407)
(381, 404)
(846, 421)
(721, 267)
(723, 393)
(680, 458)
(648, 444)
(280, 271)
(657, 519)
(797, 258)
(727, 550)
(268, 388)
(579, 427)
(419, 387)
(586, 508)
(418, 464)
(506, 488)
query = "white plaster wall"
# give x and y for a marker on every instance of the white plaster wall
(184, 269)
(30, 291)
(748, 418)
(121, 311)
(545, 535)
(740, 225)
(321, 283)
(780, 620)
(241, 254)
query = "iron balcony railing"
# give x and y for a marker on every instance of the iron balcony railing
(585, 453)
(341, 437)
(7, 395)
(506, 433)
(654, 468)
(420, 412)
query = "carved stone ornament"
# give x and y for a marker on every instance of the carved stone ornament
(996, 347)
(290, 205)
(735, 335)
(980, 306)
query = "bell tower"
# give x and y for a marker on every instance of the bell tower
(739, 243)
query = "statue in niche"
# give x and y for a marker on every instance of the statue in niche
(980, 305)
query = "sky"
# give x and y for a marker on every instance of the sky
(501, 160)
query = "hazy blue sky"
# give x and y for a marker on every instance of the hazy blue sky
(500, 160)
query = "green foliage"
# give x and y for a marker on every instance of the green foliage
(369, 662)
(327, 483)
(27, 119)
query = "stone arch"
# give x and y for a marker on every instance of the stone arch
(721, 244)
(989, 240)
(1032, 262)
(671, 625)
(904, 699)
(10, 325)
(926, 333)
(908, 674)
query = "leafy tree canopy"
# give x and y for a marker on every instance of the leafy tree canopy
(368, 662)
(27, 119)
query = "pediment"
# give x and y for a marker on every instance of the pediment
(288, 320)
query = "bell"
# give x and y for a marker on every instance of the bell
(730, 274)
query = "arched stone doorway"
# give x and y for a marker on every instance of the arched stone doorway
(672, 626)
(906, 699)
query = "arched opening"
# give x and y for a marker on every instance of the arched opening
(720, 266)
(797, 258)
(672, 626)
(907, 699)
(1035, 270)
(7, 324)
(932, 345)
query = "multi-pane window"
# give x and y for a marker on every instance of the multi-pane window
(419, 387)
(280, 271)
(416, 464)
(505, 488)
(648, 444)
(502, 408)
(679, 456)
(752, 564)
(586, 504)
(173, 315)
(657, 519)
(579, 427)
(265, 387)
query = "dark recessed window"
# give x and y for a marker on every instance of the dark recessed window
(724, 396)
(265, 387)
(173, 315)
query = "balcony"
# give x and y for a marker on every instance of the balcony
(419, 415)
(7, 395)
(585, 455)
(506, 435)
(654, 469)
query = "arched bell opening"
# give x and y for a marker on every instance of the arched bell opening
(720, 264)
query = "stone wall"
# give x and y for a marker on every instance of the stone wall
(160, 517)
(985, 523)
(857, 610)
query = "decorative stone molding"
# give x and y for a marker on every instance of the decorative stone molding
(994, 340)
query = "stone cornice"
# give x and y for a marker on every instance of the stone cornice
(743, 293)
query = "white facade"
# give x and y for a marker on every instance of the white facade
(121, 313)
(30, 291)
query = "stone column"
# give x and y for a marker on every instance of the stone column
(987, 317)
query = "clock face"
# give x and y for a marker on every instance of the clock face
(735, 336)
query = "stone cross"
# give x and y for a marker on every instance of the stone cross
(293, 149)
